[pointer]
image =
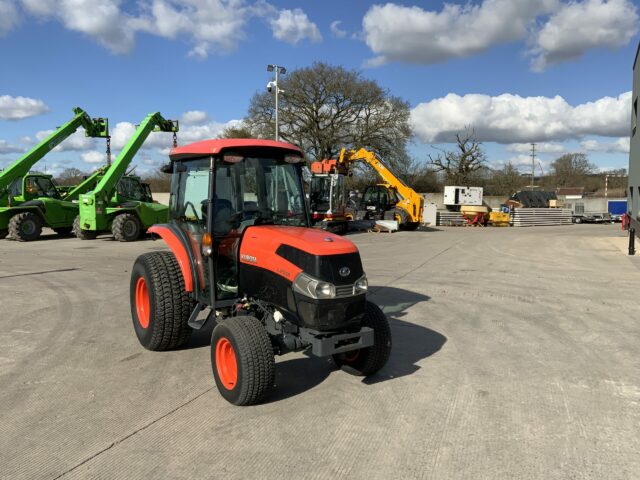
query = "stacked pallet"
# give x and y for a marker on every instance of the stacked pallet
(450, 219)
(533, 217)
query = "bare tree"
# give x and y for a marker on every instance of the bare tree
(460, 164)
(324, 108)
(71, 176)
(571, 169)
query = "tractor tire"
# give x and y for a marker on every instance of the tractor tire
(3, 234)
(411, 226)
(242, 360)
(82, 234)
(160, 306)
(367, 361)
(126, 227)
(63, 231)
(25, 226)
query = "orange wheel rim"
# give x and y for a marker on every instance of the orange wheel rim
(226, 363)
(142, 302)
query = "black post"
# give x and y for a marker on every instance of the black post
(632, 241)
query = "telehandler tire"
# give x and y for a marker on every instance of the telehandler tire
(367, 361)
(160, 306)
(3, 234)
(242, 360)
(126, 227)
(82, 234)
(25, 226)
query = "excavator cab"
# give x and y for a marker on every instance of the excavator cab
(243, 255)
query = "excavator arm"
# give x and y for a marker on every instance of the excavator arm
(93, 127)
(411, 202)
(93, 204)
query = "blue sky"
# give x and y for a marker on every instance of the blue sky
(550, 71)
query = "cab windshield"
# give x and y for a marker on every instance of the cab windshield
(40, 187)
(249, 191)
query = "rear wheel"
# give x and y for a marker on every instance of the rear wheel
(126, 227)
(367, 361)
(160, 306)
(25, 227)
(82, 234)
(3, 234)
(242, 360)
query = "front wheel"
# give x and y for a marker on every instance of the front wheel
(242, 360)
(25, 226)
(367, 361)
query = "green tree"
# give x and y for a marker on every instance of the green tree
(571, 169)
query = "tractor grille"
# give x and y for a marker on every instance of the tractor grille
(344, 290)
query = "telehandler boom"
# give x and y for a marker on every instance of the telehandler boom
(29, 201)
(123, 204)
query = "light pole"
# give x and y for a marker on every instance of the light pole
(274, 85)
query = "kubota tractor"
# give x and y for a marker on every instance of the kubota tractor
(242, 254)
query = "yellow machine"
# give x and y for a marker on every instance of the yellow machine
(392, 199)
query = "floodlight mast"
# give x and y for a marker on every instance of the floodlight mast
(278, 70)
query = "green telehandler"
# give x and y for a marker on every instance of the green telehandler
(122, 203)
(30, 201)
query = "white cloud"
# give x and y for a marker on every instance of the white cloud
(511, 118)
(9, 17)
(293, 26)
(336, 30)
(579, 26)
(100, 19)
(209, 25)
(194, 117)
(6, 147)
(543, 147)
(17, 108)
(621, 145)
(93, 156)
(414, 35)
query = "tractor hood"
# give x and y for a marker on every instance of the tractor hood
(287, 251)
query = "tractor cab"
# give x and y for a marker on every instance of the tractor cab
(131, 188)
(33, 186)
(377, 200)
(242, 248)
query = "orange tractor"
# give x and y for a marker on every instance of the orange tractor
(242, 254)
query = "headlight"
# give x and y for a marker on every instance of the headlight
(310, 287)
(361, 285)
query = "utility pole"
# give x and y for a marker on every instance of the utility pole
(272, 85)
(533, 163)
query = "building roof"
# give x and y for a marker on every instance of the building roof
(214, 147)
(570, 191)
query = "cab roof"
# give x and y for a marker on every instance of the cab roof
(214, 147)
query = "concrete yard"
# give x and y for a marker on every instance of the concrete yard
(515, 355)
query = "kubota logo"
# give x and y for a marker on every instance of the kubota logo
(344, 272)
(249, 258)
